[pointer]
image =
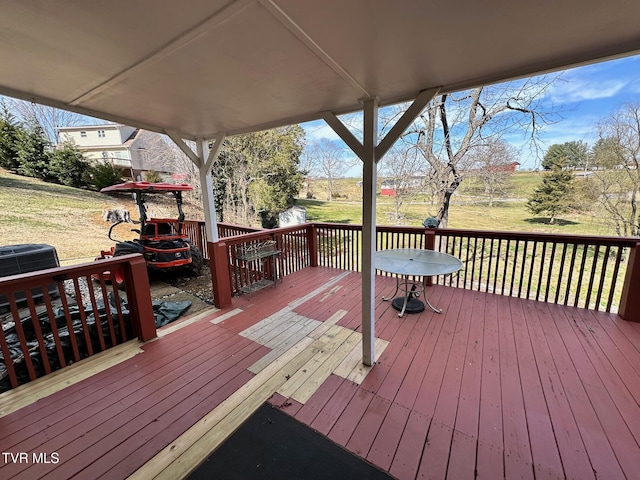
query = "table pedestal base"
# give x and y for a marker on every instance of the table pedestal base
(409, 304)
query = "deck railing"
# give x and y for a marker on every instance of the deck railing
(197, 233)
(598, 273)
(582, 271)
(59, 316)
(229, 267)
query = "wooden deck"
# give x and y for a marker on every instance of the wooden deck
(495, 387)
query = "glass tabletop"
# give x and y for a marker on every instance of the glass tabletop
(412, 261)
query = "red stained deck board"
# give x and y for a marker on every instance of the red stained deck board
(134, 410)
(396, 326)
(129, 431)
(575, 460)
(435, 458)
(59, 400)
(429, 391)
(544, 451)
(530, 356)
(347, 422)
(396, 375)
(517, 448)
(345, 299)
(447, 405)
(409, 389)
(252, 357)
(332, 410)
(126, 377)
(436, 453)
(467, 418)
(420, 329)
(375, 378)
(321, 397)
(616, 370)
(128, 456)
(409, 452)
(297, 286)
(386, 443)
(353, 320)
(287, 405)
(611, 418)
(462, 458)
(623, 335)
(341, 295)
(490, 414)
(489, 462)
(381, 369)
(367, 429)
(270, 300)
(601, 455)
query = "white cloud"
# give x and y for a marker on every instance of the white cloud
(570, 90)
(598, 81)
(319, 129)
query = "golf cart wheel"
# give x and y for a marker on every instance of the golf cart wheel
(197, 260)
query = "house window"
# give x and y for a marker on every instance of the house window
(83, 134)
(101, 134)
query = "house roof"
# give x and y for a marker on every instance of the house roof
(211, 66)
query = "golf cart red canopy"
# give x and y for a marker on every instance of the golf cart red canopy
(133, 187)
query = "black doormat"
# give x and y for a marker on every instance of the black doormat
(274, 445)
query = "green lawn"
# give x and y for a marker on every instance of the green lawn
(503, 215)
(468, 209)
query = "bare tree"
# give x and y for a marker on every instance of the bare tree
(402, 169)
(309, 167)
(616, 157)
(330, 162)
(48, 118)
(492, 167)
(453, 125)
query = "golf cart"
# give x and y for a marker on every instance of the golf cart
(164, 246)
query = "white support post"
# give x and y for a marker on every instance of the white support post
(206, 183)
(370, 152)
(369, 185)
(204, 159)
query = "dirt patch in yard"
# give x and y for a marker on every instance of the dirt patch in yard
(186, 287)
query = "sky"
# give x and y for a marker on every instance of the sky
(582, 96)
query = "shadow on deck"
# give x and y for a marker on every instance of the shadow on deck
(495, 387)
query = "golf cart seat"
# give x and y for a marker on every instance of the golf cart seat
(157, 229)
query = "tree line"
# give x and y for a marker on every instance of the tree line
(256, 176)
(609, 182)
(26, 150)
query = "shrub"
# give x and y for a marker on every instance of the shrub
(152, 177)
(103, 175)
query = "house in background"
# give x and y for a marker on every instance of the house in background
(120, 145)
(506, 167)
(390, 186)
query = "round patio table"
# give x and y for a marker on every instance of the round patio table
(412, 262)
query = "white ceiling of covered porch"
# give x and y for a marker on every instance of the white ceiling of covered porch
(202, 67)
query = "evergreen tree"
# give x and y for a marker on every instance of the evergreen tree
(555, 195)
(68, 166)
(575, 155)
(33, 158)
(8, 139)
(258, 173)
